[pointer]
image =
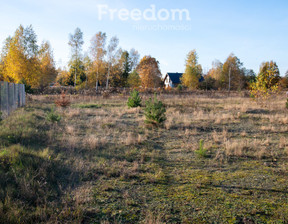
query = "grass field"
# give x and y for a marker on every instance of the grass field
(97, 162)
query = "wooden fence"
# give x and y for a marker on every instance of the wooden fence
(12, 96)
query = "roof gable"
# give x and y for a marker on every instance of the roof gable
(175, 77)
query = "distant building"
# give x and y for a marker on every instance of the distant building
(172, 80)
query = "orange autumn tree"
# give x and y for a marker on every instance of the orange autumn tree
(149, 72)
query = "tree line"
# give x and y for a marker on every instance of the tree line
(22, 60)
(231, 75)
(106, 65)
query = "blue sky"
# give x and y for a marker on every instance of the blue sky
(255, 31)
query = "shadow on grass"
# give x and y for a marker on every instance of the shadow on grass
(32, 179)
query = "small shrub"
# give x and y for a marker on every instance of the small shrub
(63, 101)
(134, 100)
(179, 87)
(287, 104)
(201, 152)
(155, 112)
(53, 117)
(0, 116)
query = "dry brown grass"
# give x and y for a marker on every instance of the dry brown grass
(94, 142)
(216, 112)
(235, 147)
(110, 148)
(283, 142)
(133, 139)
(217, 138)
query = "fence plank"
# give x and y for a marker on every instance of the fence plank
(12, 96)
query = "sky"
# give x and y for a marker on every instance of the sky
(254, 30)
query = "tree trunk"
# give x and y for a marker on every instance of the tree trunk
(229, 79)
(97, 79)
(75, 78)
(107, 82)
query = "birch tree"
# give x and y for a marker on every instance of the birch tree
(193, 71)
(47, 65)
(267, 81)
(233, 75)
(134, 58)
(111, 53)
(98, 52)
(20, 58)
(76, 42)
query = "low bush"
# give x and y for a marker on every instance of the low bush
(179, 87)
(53, 117)
(201, 152)
(63, 101)
(134, 100)
(155, 112)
